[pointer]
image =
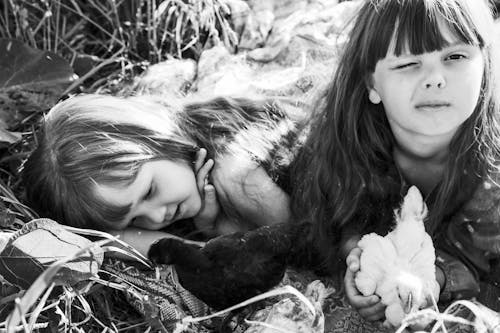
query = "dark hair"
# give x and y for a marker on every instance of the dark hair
(91, 139)
(347, 158)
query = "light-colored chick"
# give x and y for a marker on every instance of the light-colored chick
(400, 266)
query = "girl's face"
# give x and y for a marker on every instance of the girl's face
(429, 95)
(163, 192)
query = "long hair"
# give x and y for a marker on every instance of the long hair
(98, 139)
(345, 164)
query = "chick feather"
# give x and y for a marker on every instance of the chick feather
(400, 266)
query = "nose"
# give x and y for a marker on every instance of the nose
(434, 78)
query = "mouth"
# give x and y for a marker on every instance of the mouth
(177, 213)
(432, 105)
(173, 217)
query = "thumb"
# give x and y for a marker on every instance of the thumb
(352, 260)
(210, 193)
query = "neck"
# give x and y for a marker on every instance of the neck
(422, 163)
(423, 149)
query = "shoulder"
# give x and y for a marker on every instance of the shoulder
(485, 200)
(231, 172)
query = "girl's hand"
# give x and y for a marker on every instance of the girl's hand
(205, 220)
(369, 307)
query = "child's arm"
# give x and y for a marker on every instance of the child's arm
(249, 189)
(455, 279)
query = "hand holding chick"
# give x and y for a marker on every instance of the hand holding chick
(400, 266)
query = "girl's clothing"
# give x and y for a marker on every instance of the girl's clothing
(467, 243)
(473, 238)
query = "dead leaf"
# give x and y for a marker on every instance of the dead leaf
(31, 80)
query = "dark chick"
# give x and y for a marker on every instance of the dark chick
(232, 268)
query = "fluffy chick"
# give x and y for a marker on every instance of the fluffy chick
(400, 266)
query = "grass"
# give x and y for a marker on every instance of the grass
(117, 38)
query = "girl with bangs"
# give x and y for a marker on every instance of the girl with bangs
(414, 101)
(136, 165)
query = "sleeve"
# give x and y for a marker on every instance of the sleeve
(246, 192)
(473, 239)
(460, 281)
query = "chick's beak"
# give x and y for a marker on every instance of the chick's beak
(408, 304)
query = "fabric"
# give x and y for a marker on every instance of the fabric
(165, 298)
(473, 237)
(157, 294)
(467, 242)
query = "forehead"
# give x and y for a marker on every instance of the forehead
(118, 193)
(443, 37)
(418, 26)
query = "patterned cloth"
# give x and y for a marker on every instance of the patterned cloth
(166, 298)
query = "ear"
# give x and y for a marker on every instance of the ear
(373, 96)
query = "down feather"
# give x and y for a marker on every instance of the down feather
(400, 267)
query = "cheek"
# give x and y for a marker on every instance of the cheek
(470, 90)
(474, 77)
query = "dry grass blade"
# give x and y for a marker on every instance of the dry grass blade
(113, 59)
(8, 196)
(127, 254)
(271, 293)
(272, 327)
(133, 252)
(484, 320)
(42, 283)
(38, 309)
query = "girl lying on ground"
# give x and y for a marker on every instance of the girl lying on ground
(139, 164)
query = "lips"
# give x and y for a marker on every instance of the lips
(177, 213)
(432, 105)
(170, 217)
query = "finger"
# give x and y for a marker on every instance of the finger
(374, 312)
(352, 260)
(350, 284)
(364, 302)
(210, 194)
(356, 299)
(201, 176)
(200, 159)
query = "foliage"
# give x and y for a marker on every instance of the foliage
(117, 37)
(31, 80)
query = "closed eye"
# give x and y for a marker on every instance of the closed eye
(149, 194)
